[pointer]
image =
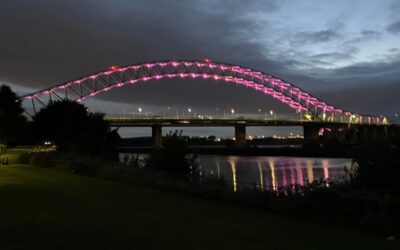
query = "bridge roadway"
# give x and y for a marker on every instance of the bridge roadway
(207, 122)
(311, 129)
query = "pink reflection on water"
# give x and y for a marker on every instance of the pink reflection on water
(284, 180)
(300, 179)
(292, 177)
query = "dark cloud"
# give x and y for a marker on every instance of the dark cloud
(315, 37)
(394, 27)
(53, 41)
(46, 42)
(370, 34)
(328, 58)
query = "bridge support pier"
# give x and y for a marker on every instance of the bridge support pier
(156, 136)
(365, 135)
(310, 133)
(371, 134)
(240, 135)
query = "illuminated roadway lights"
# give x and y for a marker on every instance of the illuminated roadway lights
(116, 76)
(232, 111)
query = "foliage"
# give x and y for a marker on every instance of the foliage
(379, 169)
(40, 159)
(75, 130)
(12, 121)
(84, 167)
(173, 157)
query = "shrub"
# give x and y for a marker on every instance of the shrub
(45, 160)
(84, 167)
(25, 158)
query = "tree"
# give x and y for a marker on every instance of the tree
(12, 120)
(75, 130)
(173, 157)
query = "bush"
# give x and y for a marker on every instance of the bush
(25, 158)
(45, 160)
(84, 167)
(173, 158)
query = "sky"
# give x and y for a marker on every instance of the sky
(347, 52)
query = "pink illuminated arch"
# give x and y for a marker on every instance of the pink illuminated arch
(91, 85)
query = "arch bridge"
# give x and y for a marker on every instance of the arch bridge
(296, 98)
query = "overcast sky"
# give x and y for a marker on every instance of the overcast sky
(345, 51)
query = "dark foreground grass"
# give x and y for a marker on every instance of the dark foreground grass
(49, 209)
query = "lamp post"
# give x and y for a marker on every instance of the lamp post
(140, 111)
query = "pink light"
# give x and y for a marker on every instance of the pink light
(294, 101)
(224, 67)
(149, 65)
(162, 64)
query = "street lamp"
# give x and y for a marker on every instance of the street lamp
(272, 113)
(140, 110)
(232, 111)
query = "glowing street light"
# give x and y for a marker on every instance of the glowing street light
(232, 111)
(271, 112)
(140, 110)
(189, 110)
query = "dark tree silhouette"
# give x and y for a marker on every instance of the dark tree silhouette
(12, 121)
(75, 130)
(173, 157)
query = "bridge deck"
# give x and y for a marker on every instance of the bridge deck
(217, 122)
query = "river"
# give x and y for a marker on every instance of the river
(267, 172)
(272, 172)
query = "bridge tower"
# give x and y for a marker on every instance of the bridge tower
(240, 135)
(310, 132)
(156, 135)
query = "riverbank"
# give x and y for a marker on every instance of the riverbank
(48, 209)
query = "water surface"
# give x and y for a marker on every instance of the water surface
(272, 172)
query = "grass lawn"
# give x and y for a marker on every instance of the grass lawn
(50, 209)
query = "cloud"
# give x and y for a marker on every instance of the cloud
(370, 34)
(66, 39)
(47, 42)
(394, 27)
(315, 37)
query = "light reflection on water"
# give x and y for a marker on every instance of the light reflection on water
(271, 172)
(265, 172)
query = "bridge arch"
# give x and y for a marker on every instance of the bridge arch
(93, 84)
